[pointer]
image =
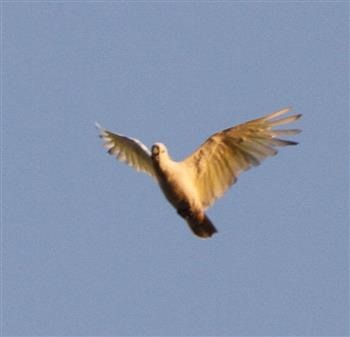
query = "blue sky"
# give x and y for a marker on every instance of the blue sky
(90, 247)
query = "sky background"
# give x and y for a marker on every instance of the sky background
(90, 247)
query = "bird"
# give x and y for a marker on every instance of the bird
(193, 184)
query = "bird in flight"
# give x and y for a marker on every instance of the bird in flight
(192, 185)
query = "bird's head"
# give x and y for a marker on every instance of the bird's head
(159, 150)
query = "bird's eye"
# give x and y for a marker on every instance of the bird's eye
(155, 150)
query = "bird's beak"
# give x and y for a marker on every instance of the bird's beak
(155, 151)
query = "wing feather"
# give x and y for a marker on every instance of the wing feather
(217, 163)
(128, 150)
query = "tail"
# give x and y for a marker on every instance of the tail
(201, 227)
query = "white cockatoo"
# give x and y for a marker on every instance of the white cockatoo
(192, 185)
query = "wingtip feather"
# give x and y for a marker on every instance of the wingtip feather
(98, 126)
(284, 120)
(278, 113)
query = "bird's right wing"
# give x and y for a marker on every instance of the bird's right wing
(128, 150)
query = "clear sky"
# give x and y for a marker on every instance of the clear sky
(90, 247)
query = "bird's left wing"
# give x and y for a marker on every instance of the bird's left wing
(128, 150)
(216, 164)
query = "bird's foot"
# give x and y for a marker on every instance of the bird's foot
(185, 213)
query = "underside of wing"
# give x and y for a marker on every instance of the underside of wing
(217, 163)
(128, 150)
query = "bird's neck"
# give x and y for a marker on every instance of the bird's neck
(164, 165)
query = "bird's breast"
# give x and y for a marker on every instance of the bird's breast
(176, 185)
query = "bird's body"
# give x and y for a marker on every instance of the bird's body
(193, 184)
(176, 182)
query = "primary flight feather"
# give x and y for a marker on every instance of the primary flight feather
(193, 184)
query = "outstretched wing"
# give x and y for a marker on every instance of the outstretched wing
(128, 150)
(217, 163)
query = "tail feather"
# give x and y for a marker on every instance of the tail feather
(202, 228)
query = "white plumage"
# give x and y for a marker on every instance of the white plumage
(193, 184)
